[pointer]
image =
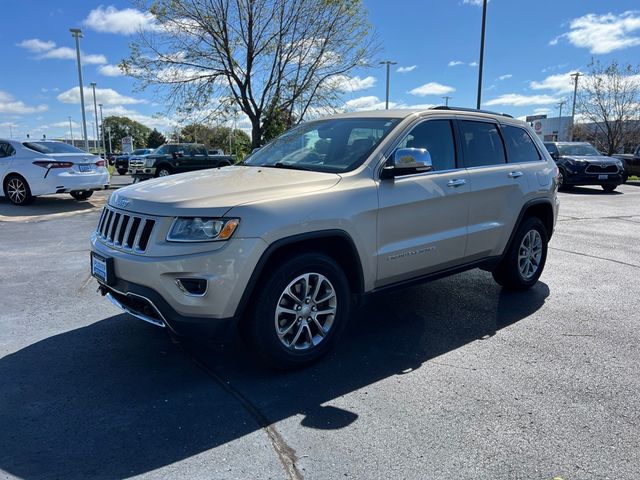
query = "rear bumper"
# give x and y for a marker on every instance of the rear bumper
(66, 182)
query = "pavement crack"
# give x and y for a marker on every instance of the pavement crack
(286, 454)
(597, 257)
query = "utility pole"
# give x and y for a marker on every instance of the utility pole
(71, 130)
(10, 131)
(109, 132)
(104, 148)
(446, 100)
(481, 63)
(575, 76)
(560, 119)
(95, 111)
(77, 34)
(388, 63)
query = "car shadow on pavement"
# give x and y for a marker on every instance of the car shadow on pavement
(62, 203)
(117, 398)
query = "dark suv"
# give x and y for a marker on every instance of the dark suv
(579, 163)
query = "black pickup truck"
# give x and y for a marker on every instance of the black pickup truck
(176, 158)
(631, 162)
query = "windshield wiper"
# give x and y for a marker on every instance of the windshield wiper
(291, 166)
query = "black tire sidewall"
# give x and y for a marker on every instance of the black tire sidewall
(83, 195)
(261, 328)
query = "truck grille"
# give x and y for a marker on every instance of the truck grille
(136, 162)
(601, 169)
(124, 231)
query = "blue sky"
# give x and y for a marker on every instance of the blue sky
(531, 48)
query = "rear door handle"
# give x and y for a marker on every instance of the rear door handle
(456, 183)
(515, 174)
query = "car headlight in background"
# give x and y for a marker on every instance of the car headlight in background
(202, 229)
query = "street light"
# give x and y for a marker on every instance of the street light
(71, 130)
(481, 63)
(446, 100)
(388, 63)
(575, 76)
(562, 102)
(104, 148)
(77, 34)
(95, 111)
(109, 133)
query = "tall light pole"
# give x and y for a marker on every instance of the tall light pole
(575, 76)
(481, 63)
(109, 132)
(71, 130)
(104, 148)
(562, 102)
(388, 63)
(95, 111)
(446, 100)
(77, 34)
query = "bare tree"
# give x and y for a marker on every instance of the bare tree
(258, 56)
(610, 99)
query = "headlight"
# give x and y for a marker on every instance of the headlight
(619, 163)
(148, 162)
(201, 229)
(577, 160)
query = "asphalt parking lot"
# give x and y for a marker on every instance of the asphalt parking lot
(453, 379)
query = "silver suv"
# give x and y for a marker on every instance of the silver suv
(280, 246)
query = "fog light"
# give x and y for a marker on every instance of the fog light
(192, 286)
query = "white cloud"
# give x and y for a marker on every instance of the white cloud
(161, 122)
(518, 100)
(473, 64)
(406, 69)
(36, 45)
(560, 83)
(432, 88)
(350, 84)
(603, 33)
(10, 105)
(505, 77)
(542, 111)
(126, 21)
(455, 63)
(370, 102)
(48, 49)
(110, 70)
(475, 3)
(106, 96)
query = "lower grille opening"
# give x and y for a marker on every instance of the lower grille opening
(192, 286)
(137, 305)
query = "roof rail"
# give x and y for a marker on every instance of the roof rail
(463, 109)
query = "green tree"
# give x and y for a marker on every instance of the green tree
(119, 126)
(278, 122)
(253, 56)
(155, 139)
(218, 138)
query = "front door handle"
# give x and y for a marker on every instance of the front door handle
(515, 174)
(456, 183)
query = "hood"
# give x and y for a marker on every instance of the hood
(598, 159)
(214, 191)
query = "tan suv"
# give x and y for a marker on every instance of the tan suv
(279, 246)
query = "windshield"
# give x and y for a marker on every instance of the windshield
(335, 145)
(169, 149)
(141, 151)
(52, 147)
(578, 150)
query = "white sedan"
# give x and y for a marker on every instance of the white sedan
(39, 167)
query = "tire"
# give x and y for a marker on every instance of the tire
(163, 171)
(609, 188)
(561, 180)
(299, 343)
(17, 190)
(122, 171)
(81, 195)
(514, 273)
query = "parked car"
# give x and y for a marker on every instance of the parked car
(278, 247)
(631, 163)
(579, 163)
(122, 161)
(176, 158)
(135, 157)
(31, 168)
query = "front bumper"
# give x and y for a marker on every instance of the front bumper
(577, 175)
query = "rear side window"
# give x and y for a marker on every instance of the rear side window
(437, 137)
(6, 150)
(482, 144)
(520, 147)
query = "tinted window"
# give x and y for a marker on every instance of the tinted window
(551, 148)
(520, 147)
(580, 150)
(482, 142)
(52, 147)
(6, 150)
(437, 137)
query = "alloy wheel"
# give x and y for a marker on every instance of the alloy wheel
(16, 190)
(530, 254)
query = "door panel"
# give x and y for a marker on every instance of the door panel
(422, 224)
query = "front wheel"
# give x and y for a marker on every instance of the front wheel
(81, 195)
(163, 172)
(301, 308)
(609, 188)
(17, 190)
(523, 263)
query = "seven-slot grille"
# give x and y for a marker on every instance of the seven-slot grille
(124, 231)
(601, 168)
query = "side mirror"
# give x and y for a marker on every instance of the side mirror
(406, 161)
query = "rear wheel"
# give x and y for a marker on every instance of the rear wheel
(609, 188)
(523, 263)
(17, 190)
(300, 311)
(81, 195)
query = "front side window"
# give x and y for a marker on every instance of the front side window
(482, 144)
(334, 145)
(437, 137)
(520, 147)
